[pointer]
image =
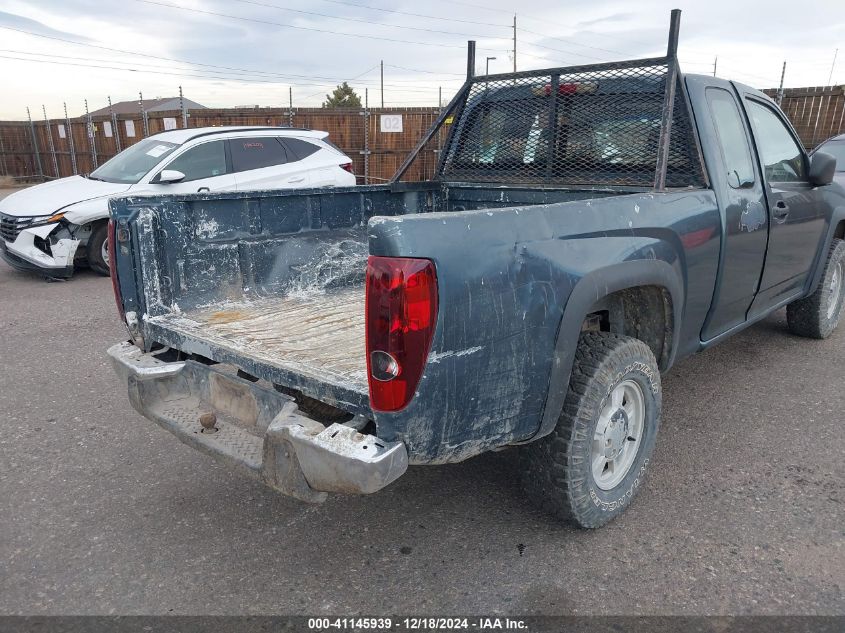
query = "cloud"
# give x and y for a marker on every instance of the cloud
(22, 23)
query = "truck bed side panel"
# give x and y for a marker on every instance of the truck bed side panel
(505, 278)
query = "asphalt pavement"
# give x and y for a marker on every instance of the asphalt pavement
(101, 512)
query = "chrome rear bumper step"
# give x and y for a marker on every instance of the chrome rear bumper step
(256, 430)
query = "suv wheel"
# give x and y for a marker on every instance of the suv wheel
(589, 468)
(98, 249)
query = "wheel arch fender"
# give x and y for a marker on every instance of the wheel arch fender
(86, 212)
(590, 290)
(836, 229)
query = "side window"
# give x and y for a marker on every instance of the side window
(256, 152)
(203, 161)
(783, 160)
(299, 149)
(732, 138)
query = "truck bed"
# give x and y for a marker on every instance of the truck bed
(273, 282)
(319, 336)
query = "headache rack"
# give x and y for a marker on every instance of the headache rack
(625, 123)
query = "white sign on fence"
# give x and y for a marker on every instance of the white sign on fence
(107, 129)
(62, 133)
(169, 123)
(130, 129)
(390, 122)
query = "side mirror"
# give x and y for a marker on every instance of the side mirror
(169, 176)
(822, 167)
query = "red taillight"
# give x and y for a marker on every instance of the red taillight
(401, 312)
(113, 269)
(347, 167)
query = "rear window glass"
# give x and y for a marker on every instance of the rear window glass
(257, 152)
(732, 138)
(299, 148)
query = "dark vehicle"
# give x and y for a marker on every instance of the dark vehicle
(588, 227)
(835, 147)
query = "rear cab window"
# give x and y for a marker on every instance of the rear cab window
(733, 139)
(257, 152)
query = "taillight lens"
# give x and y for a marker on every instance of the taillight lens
(113, 269)
(401, 312)
(347, 167)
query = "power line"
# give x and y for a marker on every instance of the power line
(416, 15)
(366, 72)
(348, 19)
(299, 28)
(574, 43)
(62, 62)
(171, 59)
(428, 72)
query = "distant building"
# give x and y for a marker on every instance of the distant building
(150, 105)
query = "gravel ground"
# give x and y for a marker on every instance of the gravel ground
(101, 512)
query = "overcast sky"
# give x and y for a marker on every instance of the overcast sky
(249, 52)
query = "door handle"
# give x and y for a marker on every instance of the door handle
(201, 189)
(294, 180)
(781, 210)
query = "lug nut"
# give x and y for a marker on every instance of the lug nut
(208, 422)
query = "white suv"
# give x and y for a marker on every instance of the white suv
(50, 227)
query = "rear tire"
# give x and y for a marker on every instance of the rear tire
(97, 249)
(581, 471)
(818, 315)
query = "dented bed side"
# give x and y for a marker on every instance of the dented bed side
(517, 268)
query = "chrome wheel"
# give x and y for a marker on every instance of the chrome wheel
(104, 252)
(618, 434)
(834, 290)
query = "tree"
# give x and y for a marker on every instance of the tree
(342, 97)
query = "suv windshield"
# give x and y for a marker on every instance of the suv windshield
(134, 163)
(835, 149)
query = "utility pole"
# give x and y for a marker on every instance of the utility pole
(715, 64)
(91, 139)
(832, 66)
(50, 139)
(290, 106)
(71, 143)
(182, 108)
(366, 151)
(115, 131)
(514, 42)
(35, 144)
(487, 67)
(143, 114)
(780, 88)
(382, 83)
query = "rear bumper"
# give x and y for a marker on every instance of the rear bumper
(259, 431)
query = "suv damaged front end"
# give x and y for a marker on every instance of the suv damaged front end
(45, 244)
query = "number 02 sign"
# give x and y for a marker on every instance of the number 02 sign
(391, 122)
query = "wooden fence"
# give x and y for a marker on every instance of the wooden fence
(817, 113)
(69, 147)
